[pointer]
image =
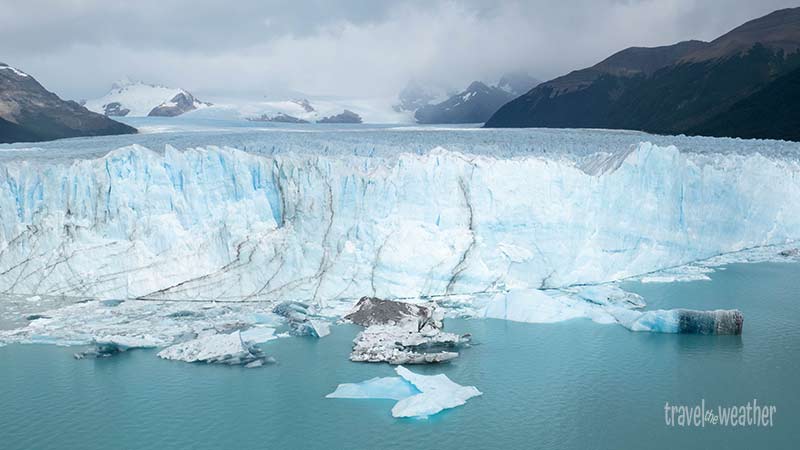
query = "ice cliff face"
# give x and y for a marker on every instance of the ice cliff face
(218, 223)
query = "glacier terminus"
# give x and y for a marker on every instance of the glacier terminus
(538, 226)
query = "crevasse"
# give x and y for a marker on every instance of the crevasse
(219, 223)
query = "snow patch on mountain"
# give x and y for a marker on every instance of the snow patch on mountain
(138, 99)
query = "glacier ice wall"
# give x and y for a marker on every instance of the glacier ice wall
(219, 223)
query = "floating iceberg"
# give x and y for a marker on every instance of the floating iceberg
(397, 345)
(230, 349)
(392, 388)
(418, 395)
(437, 392)
(687, 321)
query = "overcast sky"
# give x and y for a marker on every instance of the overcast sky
(77, 48)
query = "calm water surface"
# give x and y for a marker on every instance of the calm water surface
(568, 385)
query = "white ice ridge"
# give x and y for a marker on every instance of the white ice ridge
(218, 223)
(418, 395)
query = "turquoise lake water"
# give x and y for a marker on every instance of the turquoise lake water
(569, 385)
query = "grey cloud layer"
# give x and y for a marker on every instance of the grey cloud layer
(351, 48)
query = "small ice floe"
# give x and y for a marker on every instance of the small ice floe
(108, 346)
(392, 388)
(401, 333)
(685, 321)
(300, 321)
(33, 298)
(229, 349)
(418, 395)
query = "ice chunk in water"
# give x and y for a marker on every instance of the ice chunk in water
(394, 388)
(419, 395)
(689, 321)
(437, 393)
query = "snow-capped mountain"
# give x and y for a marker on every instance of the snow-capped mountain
(137, 99)
(416, 95)
(474, 105)
(303, 110)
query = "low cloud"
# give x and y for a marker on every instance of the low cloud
(347, 48)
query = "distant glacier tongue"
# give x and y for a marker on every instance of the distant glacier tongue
(219, 223)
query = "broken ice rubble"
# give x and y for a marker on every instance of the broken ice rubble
(401, 333)
(418, 395)
(109, 346)
(300, 322)
(230, 349)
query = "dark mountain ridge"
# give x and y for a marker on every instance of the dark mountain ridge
(686, 88)
(31, 113)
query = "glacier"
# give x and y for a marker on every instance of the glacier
(226, 233)
(310, 227)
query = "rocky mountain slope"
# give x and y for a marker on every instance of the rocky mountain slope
(691, 87)
(30, 113)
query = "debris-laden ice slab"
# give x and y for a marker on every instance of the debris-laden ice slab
(375, 311)
(418, 395)
(401, 333)
(687, 321)
(230, 349)
(397, 345)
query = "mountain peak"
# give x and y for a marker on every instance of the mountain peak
(476, 86)
(137, 98)
(17, 72)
